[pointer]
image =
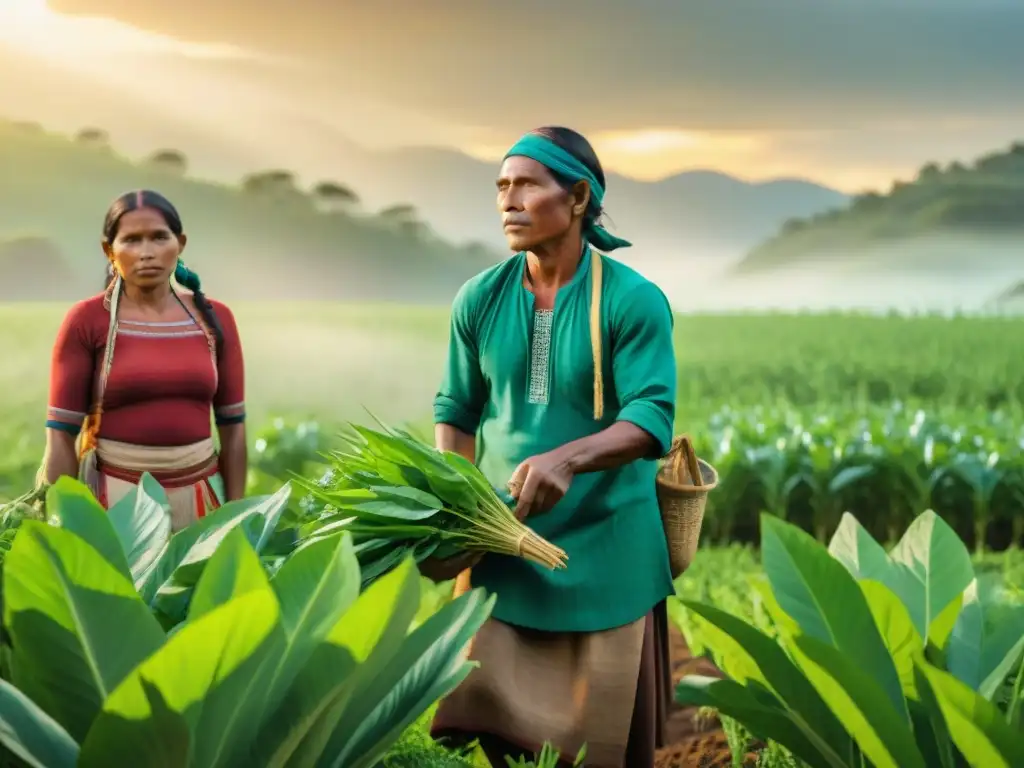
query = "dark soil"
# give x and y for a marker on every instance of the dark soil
(689, 741)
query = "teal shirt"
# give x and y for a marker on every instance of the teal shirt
(524, 391)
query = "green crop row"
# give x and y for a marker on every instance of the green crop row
(885, 465)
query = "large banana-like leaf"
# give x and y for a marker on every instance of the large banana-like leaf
(940, 749)
(897, 630)
(167, 586)
(368, 634)
(828, 605)
(31, 734)
(234, 570)
(230, 709)
(142, 522)
(296, 736)
(982, 644)
(862, 556)
(429, 665)
(216, 654)
(764, 716)
(935, 568)
(881, 730)
(976, 726)
(77, 625)
(315, 587)
(748, 654)
(70, 505)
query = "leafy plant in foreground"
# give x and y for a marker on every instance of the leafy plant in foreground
(892, 659)
(297, 669)
(135, 536)
(547, 758)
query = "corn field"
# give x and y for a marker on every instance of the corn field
(885, 465)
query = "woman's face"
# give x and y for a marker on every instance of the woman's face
(145, 251)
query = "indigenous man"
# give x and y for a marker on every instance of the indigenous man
(575, 656)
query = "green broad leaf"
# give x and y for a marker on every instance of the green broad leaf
(142, 522)
(862, 556)
(983, 636)
(373, 568)
(827, 603)
(366, 505)
(783, 622)
(1014, 657)
(935, 567)
(399, 450)
(429, 664)
(263, 511)
(378, 621)
(234, 570)
(765, 719)
(314, 587)
(189, 549)
(210, 672)
(70, 505)
(370, 633)
(471, 473)
(748, 654)
(849, 477)
(31, 734)
(881, 730)
(411, 495)
(64, 601)
(976, 726)
(161, 740)
(897, 630)
(942, 625)
(295, 737)
(938, 733)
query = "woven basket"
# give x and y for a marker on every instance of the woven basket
(683, 483)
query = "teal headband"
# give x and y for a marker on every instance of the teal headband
(560, 162)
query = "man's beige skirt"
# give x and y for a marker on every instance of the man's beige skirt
(569, 689)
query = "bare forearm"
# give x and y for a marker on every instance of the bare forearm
(234, 460)
(619, 444)
(61, 458)
(449, 438)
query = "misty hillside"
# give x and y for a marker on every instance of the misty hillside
(972, 206)
(693, 210)
(263, 238)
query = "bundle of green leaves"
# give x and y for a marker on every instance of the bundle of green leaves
(398, 496)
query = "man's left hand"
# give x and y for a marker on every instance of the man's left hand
(539, 483)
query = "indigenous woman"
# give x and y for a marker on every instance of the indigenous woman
(575, 656)
(137, 369)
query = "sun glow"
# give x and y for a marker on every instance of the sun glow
(654, 154)
(32, 27)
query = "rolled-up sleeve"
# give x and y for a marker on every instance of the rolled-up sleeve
(461, 397)
(644, 363)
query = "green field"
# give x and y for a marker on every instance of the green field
(329, 360)
(926, 411)
(832, 386)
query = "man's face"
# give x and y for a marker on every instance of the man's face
(534, 208)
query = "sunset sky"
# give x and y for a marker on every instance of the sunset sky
(851, 93)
